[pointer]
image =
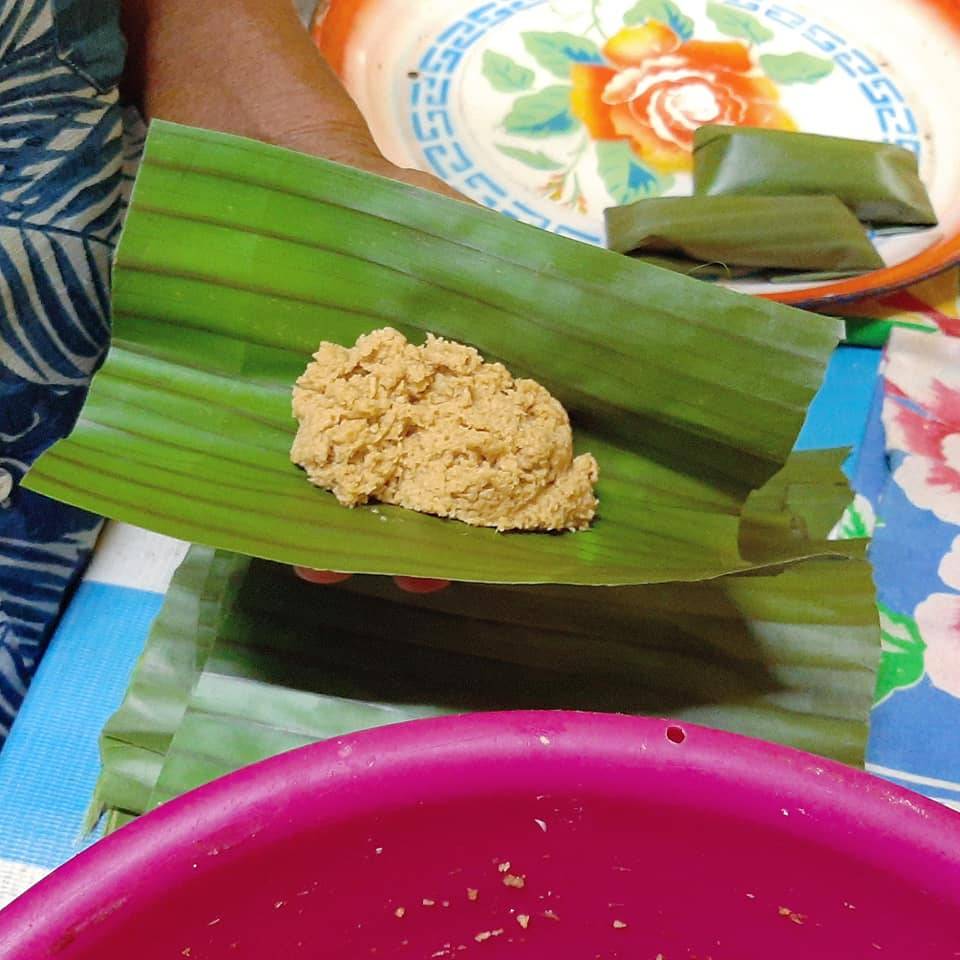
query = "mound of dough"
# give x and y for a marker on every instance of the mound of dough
(436, 429)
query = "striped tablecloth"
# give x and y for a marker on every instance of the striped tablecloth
(50, 761)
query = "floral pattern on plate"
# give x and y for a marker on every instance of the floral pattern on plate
(585, 106)
(642, 92)
(639, 95)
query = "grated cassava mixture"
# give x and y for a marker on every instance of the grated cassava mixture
(436, 429)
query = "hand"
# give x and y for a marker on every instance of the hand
(248, 67)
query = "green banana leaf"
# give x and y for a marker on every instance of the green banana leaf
(238, 258)
(788, 654)
(810, 276)
(714, 271)
(880, 182)
(136, 738)
(795, 233)
(800, 506)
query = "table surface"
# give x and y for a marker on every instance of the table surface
(50, 763)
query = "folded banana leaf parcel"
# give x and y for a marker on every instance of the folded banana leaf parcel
(815, 233)
(246, 661)
(879, 182)
(239, 258)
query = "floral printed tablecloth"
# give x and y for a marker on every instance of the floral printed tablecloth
(907, 476)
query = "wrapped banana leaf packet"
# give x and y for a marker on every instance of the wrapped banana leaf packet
(879, 182)
(788, 233)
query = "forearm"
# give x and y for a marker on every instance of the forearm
(242, 66)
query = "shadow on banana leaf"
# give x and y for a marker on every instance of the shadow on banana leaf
(246, 660)
(682, 650)
(670, 648)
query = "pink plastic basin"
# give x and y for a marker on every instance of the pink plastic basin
(531, 835)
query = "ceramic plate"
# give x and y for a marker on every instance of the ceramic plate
(551, 110)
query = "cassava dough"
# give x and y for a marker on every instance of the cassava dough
(436, 429)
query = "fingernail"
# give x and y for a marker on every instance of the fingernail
(321, 576)
(420, 585)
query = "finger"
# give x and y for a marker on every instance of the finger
(419, 585)
(321, 576)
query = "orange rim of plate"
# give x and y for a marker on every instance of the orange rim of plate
(332, 29)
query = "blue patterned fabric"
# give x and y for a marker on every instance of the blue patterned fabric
(61, 157)
(908, 480)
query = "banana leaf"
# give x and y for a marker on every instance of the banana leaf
(879, 182)
(812, 276)
(136, 738)
(238, 258)
(725, 271)
(728, 660)
(799, 233)
(789, 654)
(799, 507)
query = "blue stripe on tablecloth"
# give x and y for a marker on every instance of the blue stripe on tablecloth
(50, 762)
